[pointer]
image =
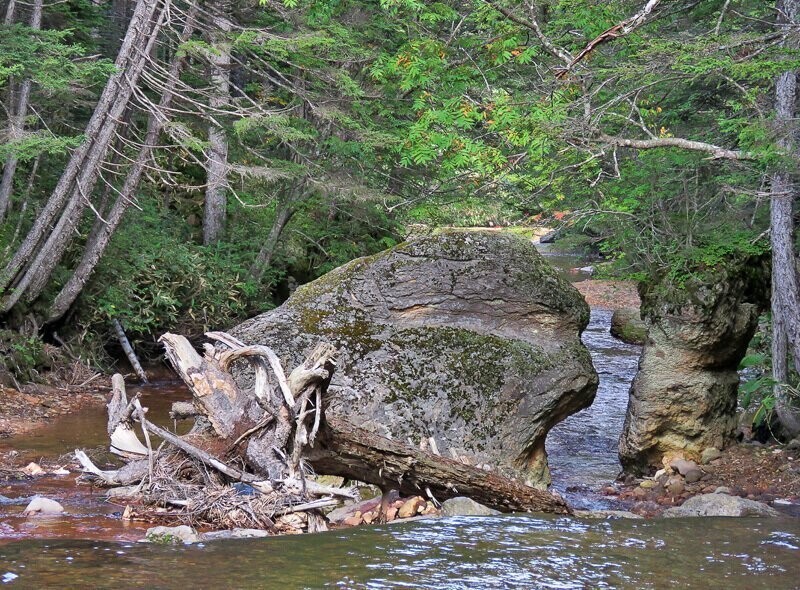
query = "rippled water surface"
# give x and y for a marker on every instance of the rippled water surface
(496, 552)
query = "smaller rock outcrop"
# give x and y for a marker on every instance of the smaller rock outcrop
(683, 399)
(720, 505)
(626, 325)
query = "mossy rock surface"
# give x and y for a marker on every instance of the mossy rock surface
(468, 337)
(626, 325)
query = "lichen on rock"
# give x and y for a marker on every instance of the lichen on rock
(470, 338)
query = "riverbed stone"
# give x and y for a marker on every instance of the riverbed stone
(172, 535)
(710, 454)
(627, 325)
(234, 534)
(684, 396)
(607, 514)
(40, 505)
(471, 338)
(720, 505)
(410, 507)
(683, 466)
(462, 506)
(693, 475)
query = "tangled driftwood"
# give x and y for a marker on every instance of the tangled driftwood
(252, 455)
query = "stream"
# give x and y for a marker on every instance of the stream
(91, 547)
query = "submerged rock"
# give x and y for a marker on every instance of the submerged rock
(461, 506)
(43, 506)
(607, 514)
(683, 399)
(172, 535)
(626, 325)
(720, 505)
(234, 534)
(471, 338)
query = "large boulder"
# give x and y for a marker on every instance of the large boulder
(684, 396)
(467, 337)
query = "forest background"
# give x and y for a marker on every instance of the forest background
(180, 166)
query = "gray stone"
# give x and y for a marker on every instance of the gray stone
(43, 506)
(720, 505)
(471, 338)
(461, 506)
(710, 454)
(172, 535)
(684, 397)
(626, 325)
(693, 475)
(683, 466)
(607, 514)
(550, 237)
(723, 490)
(234, 534)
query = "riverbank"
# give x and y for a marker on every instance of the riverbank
(764, 473)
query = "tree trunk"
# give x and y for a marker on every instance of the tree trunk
(17, 120)
(217, 154)
(786, 290)
(283, 213)
(44, 243)
(98, 241)
(354, 453)
(129, 352)
(10, 9)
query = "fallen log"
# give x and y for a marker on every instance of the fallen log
(358, 454)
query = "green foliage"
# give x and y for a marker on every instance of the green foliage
(22, 356)
(155, 280)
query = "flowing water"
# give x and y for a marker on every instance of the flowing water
(582, 449)
(91, 547)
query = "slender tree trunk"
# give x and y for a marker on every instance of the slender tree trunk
(98, 240)
(786, 291)
(9, 16)
(24, 207)
(17, 121)
(217, 154)
(71, 195)
(283, 214)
